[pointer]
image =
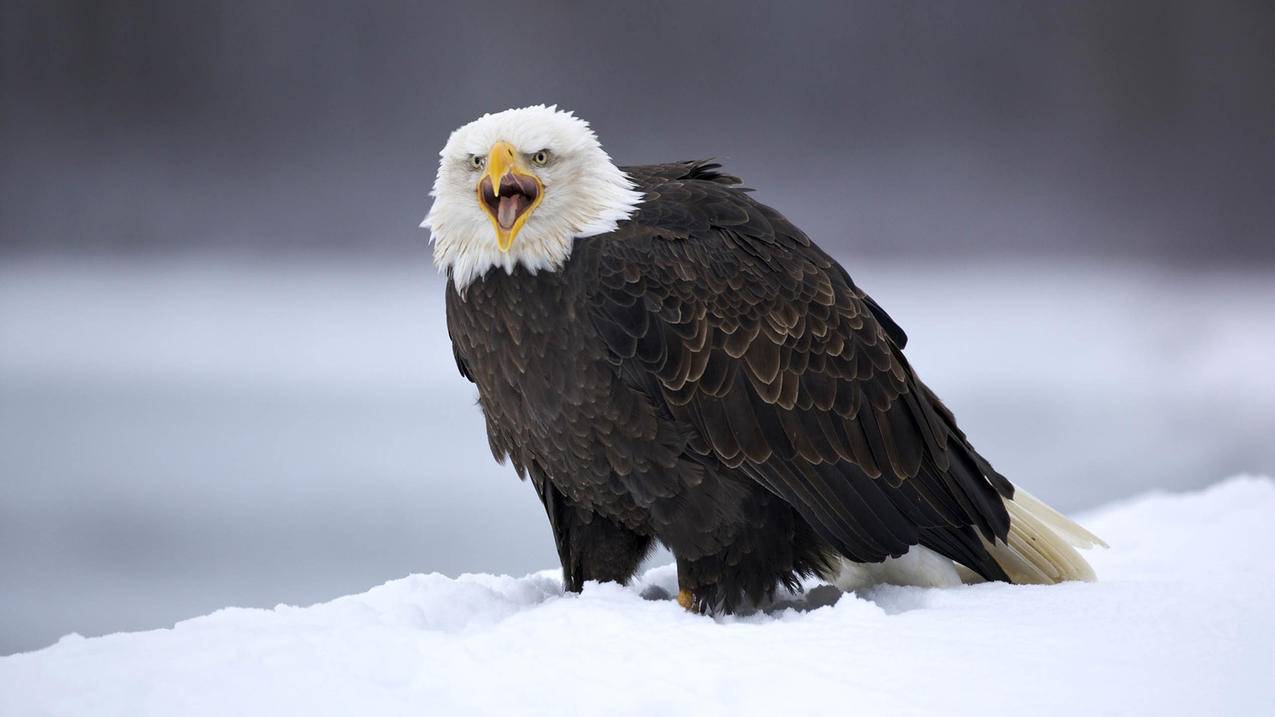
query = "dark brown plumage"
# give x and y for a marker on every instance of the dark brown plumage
(707, 377)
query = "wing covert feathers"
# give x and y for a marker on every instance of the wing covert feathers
(783, 371)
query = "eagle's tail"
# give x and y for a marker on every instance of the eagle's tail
(1041, 549)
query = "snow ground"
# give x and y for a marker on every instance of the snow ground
(1179, 623)
(184, 434)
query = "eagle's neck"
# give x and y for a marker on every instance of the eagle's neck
(590, 204)
(470, 256)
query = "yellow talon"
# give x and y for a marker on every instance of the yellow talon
(685, 600)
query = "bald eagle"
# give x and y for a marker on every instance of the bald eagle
(667, 359)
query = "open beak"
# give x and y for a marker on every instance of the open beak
(508, 192)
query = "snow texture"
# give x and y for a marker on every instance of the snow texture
(1179, 623)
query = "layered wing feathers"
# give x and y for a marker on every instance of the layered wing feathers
(739, 328)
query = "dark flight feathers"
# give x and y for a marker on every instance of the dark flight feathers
(737, 326)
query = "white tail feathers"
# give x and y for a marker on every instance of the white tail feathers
(1042, 543)
(1040, 551)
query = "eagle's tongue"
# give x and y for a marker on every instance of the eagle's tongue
(507, 212)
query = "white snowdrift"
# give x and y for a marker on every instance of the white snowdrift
(1180, 622)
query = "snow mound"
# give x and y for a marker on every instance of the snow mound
(1180, 622)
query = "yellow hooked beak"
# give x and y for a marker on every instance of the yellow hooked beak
(508, 191)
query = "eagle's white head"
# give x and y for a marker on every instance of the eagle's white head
(518, 187)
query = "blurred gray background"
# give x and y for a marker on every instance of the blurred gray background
(224, 377)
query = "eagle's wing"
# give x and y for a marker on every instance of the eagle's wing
(738, 327)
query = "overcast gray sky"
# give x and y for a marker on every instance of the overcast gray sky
(1138, 129)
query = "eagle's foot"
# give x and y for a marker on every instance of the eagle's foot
(686, 596)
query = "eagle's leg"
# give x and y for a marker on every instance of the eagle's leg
(685, 589)
(591, 546)
(752, 564)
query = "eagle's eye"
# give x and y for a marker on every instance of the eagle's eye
(477, 161)
(541, 158)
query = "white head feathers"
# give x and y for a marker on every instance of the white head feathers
(583, 193)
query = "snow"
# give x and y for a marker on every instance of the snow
(1179, 622)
